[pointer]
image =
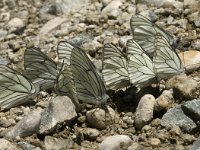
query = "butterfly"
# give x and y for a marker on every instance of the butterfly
(166, 61)
(140, 66)
(39, 68)
(78, 77)
(115, 71)
(144, 32)
(15, 88)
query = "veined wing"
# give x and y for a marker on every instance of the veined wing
(39, 68)
(166, 61)
(115, 71)
(140, 66)
(15, 89)
(86, 84)
(144, 32)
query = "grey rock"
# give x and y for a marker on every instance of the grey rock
(57, 7)
(4, 61)
(97, 63)
(105, 2)
(52, 25)
(3, 33)
(196, 44)
(79, 40)
(176, 116)
(90, 133)
(99, 119)
(52, 143)
(154, 142)
(27, 146)
(196, 144)
(26, 126)
(16, 25)
(184, 86)
(10, 3)
(160, 3)
(60, 110)
(6, 145)
(191, 109)
(192, 4)
(193, 16)
(112, 9)
(24, 15)
(144, 111)
(197, 22)
(178, 5)
(135, 146)
(115, 142)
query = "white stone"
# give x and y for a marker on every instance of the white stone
(112, 9)
(52, 25)
(144, 111)
(115, 142)
(15, 24)
(99, 119)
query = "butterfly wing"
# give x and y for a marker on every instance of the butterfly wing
(85, 83)
(15, 89)
(115, 71)
(140, 66)
(144, 32)
(166, 61)
(39, 68)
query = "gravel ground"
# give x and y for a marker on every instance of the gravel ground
(90, 24)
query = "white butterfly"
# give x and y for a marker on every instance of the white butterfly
(143, 71)
(144, 32)
(15, 88)
(39, 68)
(78, 77)
(140, 66)
(115, 71)
(166, 61)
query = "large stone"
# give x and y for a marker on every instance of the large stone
(6, 145)
(184, 86)
(144, 111)
(192, 109)
(176, 117)
(60, 110)
(26, 126)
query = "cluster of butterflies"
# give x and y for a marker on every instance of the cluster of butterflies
(148, 59)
